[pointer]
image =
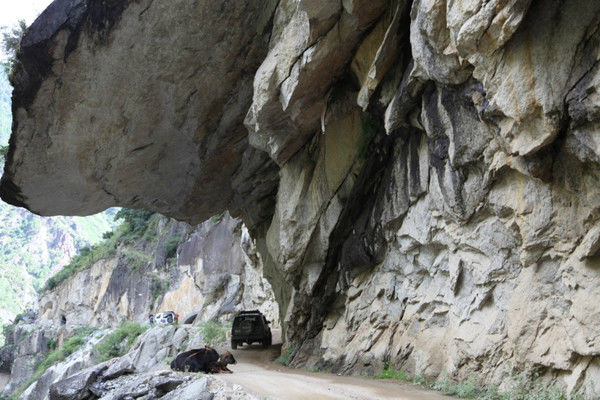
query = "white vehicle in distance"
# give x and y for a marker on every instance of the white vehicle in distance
(167, 317)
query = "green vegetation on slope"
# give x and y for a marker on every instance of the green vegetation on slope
(136, 224)
(137, 220)
(120, 341)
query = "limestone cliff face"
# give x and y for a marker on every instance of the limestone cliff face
(438, 163)
(216, 272)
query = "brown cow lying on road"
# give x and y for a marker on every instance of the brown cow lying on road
(205, 360)
(221, 364)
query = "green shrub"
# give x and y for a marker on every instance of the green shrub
(170, 245)
(136, 259)
(214, 332)
(120, 341)
(390, 373)
(7, 330)
(285, 358)
(11, 42)
(465, 390)
(152, 230)
(51, 343)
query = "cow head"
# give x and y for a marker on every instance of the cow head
(227, 358)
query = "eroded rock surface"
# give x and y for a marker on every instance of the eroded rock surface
(437, 201)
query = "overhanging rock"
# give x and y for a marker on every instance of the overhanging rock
(139, 104)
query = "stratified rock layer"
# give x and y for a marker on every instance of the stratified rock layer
(437, 204)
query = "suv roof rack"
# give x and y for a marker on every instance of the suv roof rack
(249, 312)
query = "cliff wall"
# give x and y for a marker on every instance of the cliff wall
(430, 195)
(214, 273)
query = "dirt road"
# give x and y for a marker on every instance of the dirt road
(256, 372)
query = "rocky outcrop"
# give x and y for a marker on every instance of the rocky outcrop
(172, 66)
(21, 351)
(215, 273)
(437, 190)
(143, 371)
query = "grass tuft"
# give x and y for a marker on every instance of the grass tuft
(389, 373)
(215, 219)
(285, 358)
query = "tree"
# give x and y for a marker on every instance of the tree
(137, 219)
(11, 42)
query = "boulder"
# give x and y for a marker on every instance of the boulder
(117, 367)
(197, 389)
(76, 387)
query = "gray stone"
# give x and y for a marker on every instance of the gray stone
(117, 367)
(168, 384)
(75, 387)
(196, 389)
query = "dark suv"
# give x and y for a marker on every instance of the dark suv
(250, 327)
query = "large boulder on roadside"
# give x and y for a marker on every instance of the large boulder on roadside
(76, 386)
